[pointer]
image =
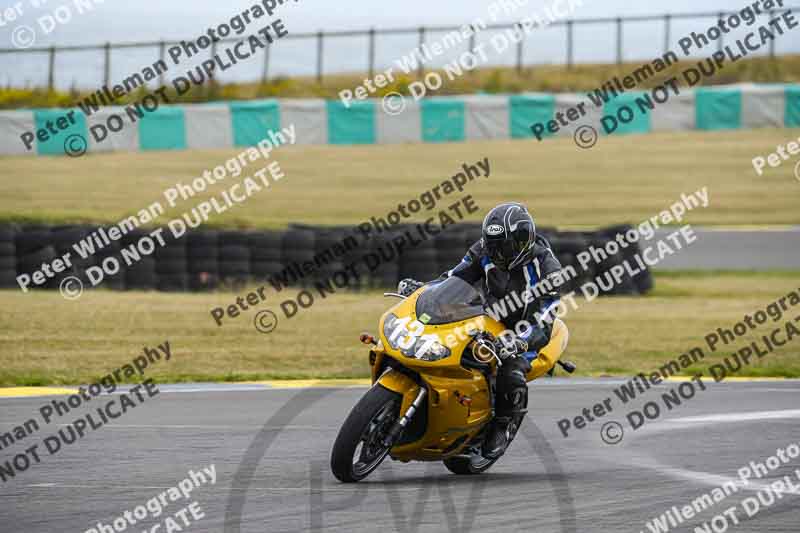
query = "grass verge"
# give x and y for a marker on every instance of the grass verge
(622, 179)
(47, 340)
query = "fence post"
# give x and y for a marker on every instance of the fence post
(319, 56)
(211, 88)
(421, 67)
(265, 74)
(772, 41)
(471, 39)
(570, 50)
(107, 65)
(162, 56)
(371, 52)
(519, 48)
(472, 45)
(51, 69)
(619, 40)
(667, 32)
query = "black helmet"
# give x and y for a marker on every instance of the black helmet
(508, 235)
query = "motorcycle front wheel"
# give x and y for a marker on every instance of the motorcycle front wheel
(359, 447)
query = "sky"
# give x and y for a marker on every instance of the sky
(153, 20)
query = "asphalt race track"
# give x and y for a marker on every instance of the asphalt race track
(725, 249)
(270, 449)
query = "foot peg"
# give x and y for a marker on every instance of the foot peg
(568, 366)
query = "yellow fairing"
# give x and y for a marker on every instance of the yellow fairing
(552, 352)
(401, 384)
(458, 399)
(451, 422)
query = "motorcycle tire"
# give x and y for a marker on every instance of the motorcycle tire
(468, 465)
(374, 414)
(475, 463)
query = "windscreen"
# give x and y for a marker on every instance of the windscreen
(451, 300)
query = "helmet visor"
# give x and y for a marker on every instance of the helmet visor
(505, 251)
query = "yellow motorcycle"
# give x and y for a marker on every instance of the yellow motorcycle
(433, 374)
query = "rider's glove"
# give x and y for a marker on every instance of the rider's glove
(407, 286)
(530, 342)
(511, 347)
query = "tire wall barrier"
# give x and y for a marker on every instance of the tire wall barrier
(299, 256)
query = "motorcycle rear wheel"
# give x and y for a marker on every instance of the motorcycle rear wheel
(473, 462)
(359, 449)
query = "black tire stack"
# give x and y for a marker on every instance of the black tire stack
(297, 249)
(64, 239)
(266, 257)
(356, 252)
(472, 234)
(418, 261)
(141, 275)
(450, 246)
(234, 258)
(116, 280)
(202, 259)
(207, 259)
(642, 282)
(567, 246)
(172, 264)
(330, 263)
(382, 263)
(8, 256)
(33, 247)
(603, 275)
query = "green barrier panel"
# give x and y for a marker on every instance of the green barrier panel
(527, 110)
(792, 115)
(442, 121)
(637, 116)
(252, 121)
(351, 125)
(162, 129)
(718, 109)
(74, 124)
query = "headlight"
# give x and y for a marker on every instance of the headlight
(390, 333)
(408, 338)
(430, 349)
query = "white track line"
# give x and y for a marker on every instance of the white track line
(705, 478)
(722, 418)
(775, 390)
(726, 418)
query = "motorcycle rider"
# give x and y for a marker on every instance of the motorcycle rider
(509, 258)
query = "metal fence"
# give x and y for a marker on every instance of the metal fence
(322, 38)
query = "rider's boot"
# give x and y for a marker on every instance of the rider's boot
(512, 399)
(498, 438)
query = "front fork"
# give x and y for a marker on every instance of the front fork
(398, 427)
